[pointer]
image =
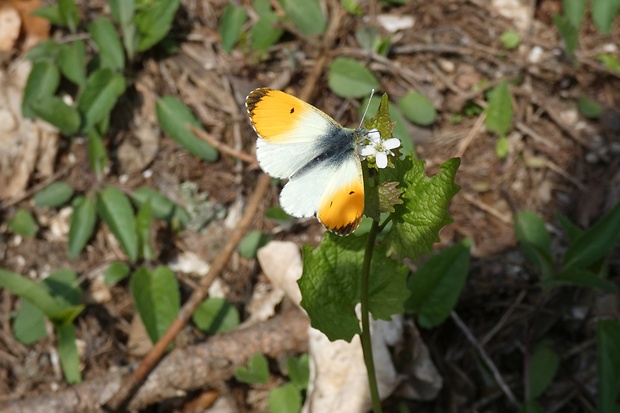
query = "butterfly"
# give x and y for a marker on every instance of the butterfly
(318, 156)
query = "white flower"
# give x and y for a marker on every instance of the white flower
(378, 148)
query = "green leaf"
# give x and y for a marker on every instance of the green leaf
(306, 15)
(251, 243)
(596, 242)
(569, 33)
(67, 353)
(55, 111)
(425, 209)
(69, 14)
(535, 241)
(572, 231)
(582, 278)
(108, 43)
(115, 273)
(23, 223)
(299, 371)
(435, 287)
(502, 147)
(174, 117)
(266, 32)
(330, 285)
(42, 82)
(531, 406)
(233, 19)
(97, 154)
(604, 13)
(82, 224)
(47, 50)
(51, 13)
(574, 11)
(123, 11)
(277, 214)
(116, 211)
(418, 108)
(144, 222)
(155, 21)
(72, 61)
(499, 112)
(54, 195)
(350, 79)
(63, 285)
(610, 61)
(216, 315)
(285, 399)
(256, 372)
(608, 365)
(163, 208)
(156, 296)
(29, 324)
(400, 127)
(99, 96)
(589, 108)
(510, 39)
(542, 366)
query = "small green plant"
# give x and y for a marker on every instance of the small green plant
(510, 39)
(499, 116)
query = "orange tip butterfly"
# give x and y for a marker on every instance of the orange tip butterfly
(318, 156)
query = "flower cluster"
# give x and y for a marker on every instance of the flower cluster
(378, 148)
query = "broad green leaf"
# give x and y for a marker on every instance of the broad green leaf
(51, 13)
(42, 82)
(569, 33)
(510, 39)
(582, 278)
(330, 285)
(416, 222)
(596, 242)
(216, 315)
(262, 7)
(156, 296)
(350, 79)
(68, 354)
(163, 208)
(256, 372)
(115, 273)
(123, 11)
(535, 241)
(499, 112)
(115, 210)
(574, 11)
(111, 53)
(572, 230)
(29, 324)
(285, 399)
(604, 12)
(589, 108)
(47, 50)
(23, 223)
(266, 32)
(435, 287)
(154, 21)
(251, 243)
(144, 222)
(299, 371)
(233, 19)
(418, 108)
(99, 96)
(69, 14)
(82, 224)
(97, 155)
(306, 15)
(400, 127)
(277, 214)
(608, 365)
(63, 285)
(542, 366)
(174, 117)
(72, 61)
(54, 195)
(55, 111)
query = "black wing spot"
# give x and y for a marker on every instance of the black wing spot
(331, 203)
(292, 110)
(351, 193)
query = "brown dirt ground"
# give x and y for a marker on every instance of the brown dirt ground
(556, 163)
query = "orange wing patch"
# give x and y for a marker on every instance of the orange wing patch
(342, 211)
(274, 113)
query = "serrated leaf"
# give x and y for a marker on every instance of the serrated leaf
(535, 241)
(72, 61)
(99, 96)
(156, 296)
(174, 116)
(216, 315)
(608, 365)
(285, 399)
(350, 79)
(510, 39)
(144, 222)
(115, 210)
(306, 15)
(266, 32)
(233, 19)
(42, 82)
(68, 353)
(542, 366)
(115, 273)
(418, 108)
(299, 371)
(163, 207)
(569, 33)
(256, 372)
(425, 209)
(29, 324)
(55, 111)
(23, 223)
(82, 224)
(154, 22)
(574, 11)
(251, 243)
(69, 14)
(499, 111)
(400, 124)
(54, 195)
(589, 108)
(435, 287)
(330, 285)
(604, 12)
(111, 53)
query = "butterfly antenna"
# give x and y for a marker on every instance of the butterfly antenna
(372, 92)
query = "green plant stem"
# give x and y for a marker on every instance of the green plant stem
(365, 336)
